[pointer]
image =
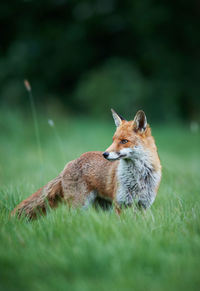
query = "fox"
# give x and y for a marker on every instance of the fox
(128, 173)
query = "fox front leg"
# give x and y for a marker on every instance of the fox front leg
(118, 209)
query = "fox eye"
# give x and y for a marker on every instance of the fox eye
(123, 141)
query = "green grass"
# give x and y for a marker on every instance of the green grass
(88, 250)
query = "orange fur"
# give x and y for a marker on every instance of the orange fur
(91, 175)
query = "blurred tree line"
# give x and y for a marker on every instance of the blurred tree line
(87, 56)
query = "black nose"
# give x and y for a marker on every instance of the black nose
(106, 154)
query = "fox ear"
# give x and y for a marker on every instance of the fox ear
(117, 118)
(140, 121)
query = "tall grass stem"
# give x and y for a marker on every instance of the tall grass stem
(35, 120)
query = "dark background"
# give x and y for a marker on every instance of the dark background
(83, 57)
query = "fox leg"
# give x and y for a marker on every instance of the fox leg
(90, 199)
(77, 194)
(117, 210)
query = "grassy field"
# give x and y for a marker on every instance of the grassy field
(94, 250)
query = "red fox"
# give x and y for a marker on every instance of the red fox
(127, 173)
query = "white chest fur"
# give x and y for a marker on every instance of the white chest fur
(137, 180)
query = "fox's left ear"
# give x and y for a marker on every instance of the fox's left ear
(140, 121)
(117, 118)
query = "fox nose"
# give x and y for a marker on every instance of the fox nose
(105, 154)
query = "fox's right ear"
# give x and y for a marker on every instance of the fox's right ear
(140, 121)
(117, 118)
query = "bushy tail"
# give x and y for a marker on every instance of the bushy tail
(50, 195)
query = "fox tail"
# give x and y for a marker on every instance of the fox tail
(50, 194)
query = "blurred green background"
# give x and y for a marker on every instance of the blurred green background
(83, 57)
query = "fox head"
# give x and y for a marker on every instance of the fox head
(132, 138)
